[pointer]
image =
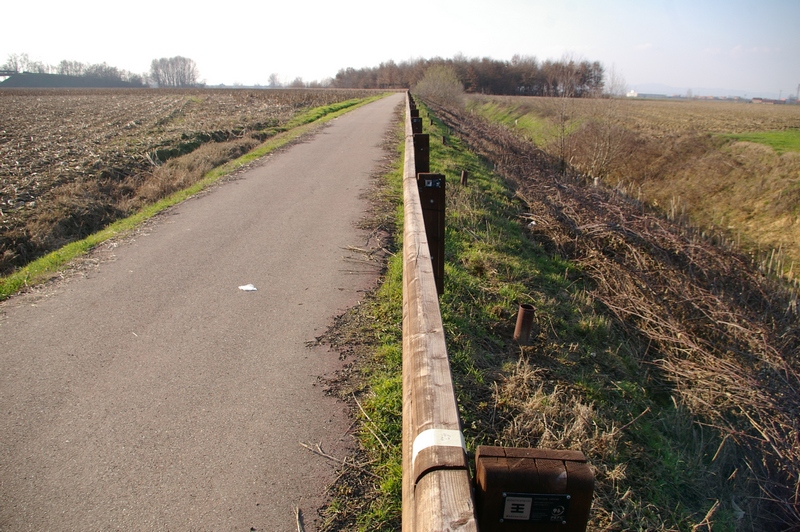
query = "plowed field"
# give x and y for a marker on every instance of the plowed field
(74, 160)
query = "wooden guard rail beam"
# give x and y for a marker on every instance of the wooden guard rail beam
(437, 492)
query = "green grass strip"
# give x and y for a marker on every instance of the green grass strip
(528, 120)
(781, 141)
(43, 269)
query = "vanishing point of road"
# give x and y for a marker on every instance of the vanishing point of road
(152, 393)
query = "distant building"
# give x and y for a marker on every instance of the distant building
(634, 94)
(30, 80)
(768, 101)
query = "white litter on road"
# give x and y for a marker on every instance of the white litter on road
(248, 288)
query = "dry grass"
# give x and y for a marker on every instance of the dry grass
(746, 192)
(711, 334)
(663, 118)
(679, 156)
(547, 415)
(641, 303)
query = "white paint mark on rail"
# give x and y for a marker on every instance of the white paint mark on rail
(437, 438)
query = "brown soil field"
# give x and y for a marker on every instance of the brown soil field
(71, 161)
(665, 117)
(660, 118)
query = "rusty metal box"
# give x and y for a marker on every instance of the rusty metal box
(532, 489)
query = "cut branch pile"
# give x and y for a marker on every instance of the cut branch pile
(722, 336)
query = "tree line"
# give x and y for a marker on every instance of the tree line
(175, 71)
(523, 75)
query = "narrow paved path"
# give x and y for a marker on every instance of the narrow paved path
(154, 394)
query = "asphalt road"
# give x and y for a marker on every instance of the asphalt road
(151, 393)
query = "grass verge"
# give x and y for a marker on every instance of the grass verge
(585, 383)
(367, 496)
(42, 269)
(713, 166)
(581, 384)
(521, 115)
(780, 141)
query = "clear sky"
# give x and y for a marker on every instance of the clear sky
(746, 45)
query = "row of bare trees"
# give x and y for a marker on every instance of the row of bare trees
(175, 71)
(522, 75)
(23, 63)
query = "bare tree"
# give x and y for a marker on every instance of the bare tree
(389, 76)
(23, 63)
(12, 63)
(563, 78)
(71, 68)
(441, 85)
(606, 144)
(175, 71)
(102, 70)
(274, 81)
(586, 134)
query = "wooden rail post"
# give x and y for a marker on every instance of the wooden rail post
(422, 153)
(437, 491)
(432, 199)
(517, 489)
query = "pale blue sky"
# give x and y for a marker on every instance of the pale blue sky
(746, 45)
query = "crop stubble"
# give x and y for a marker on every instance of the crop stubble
(661, 118)
(71, 161)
